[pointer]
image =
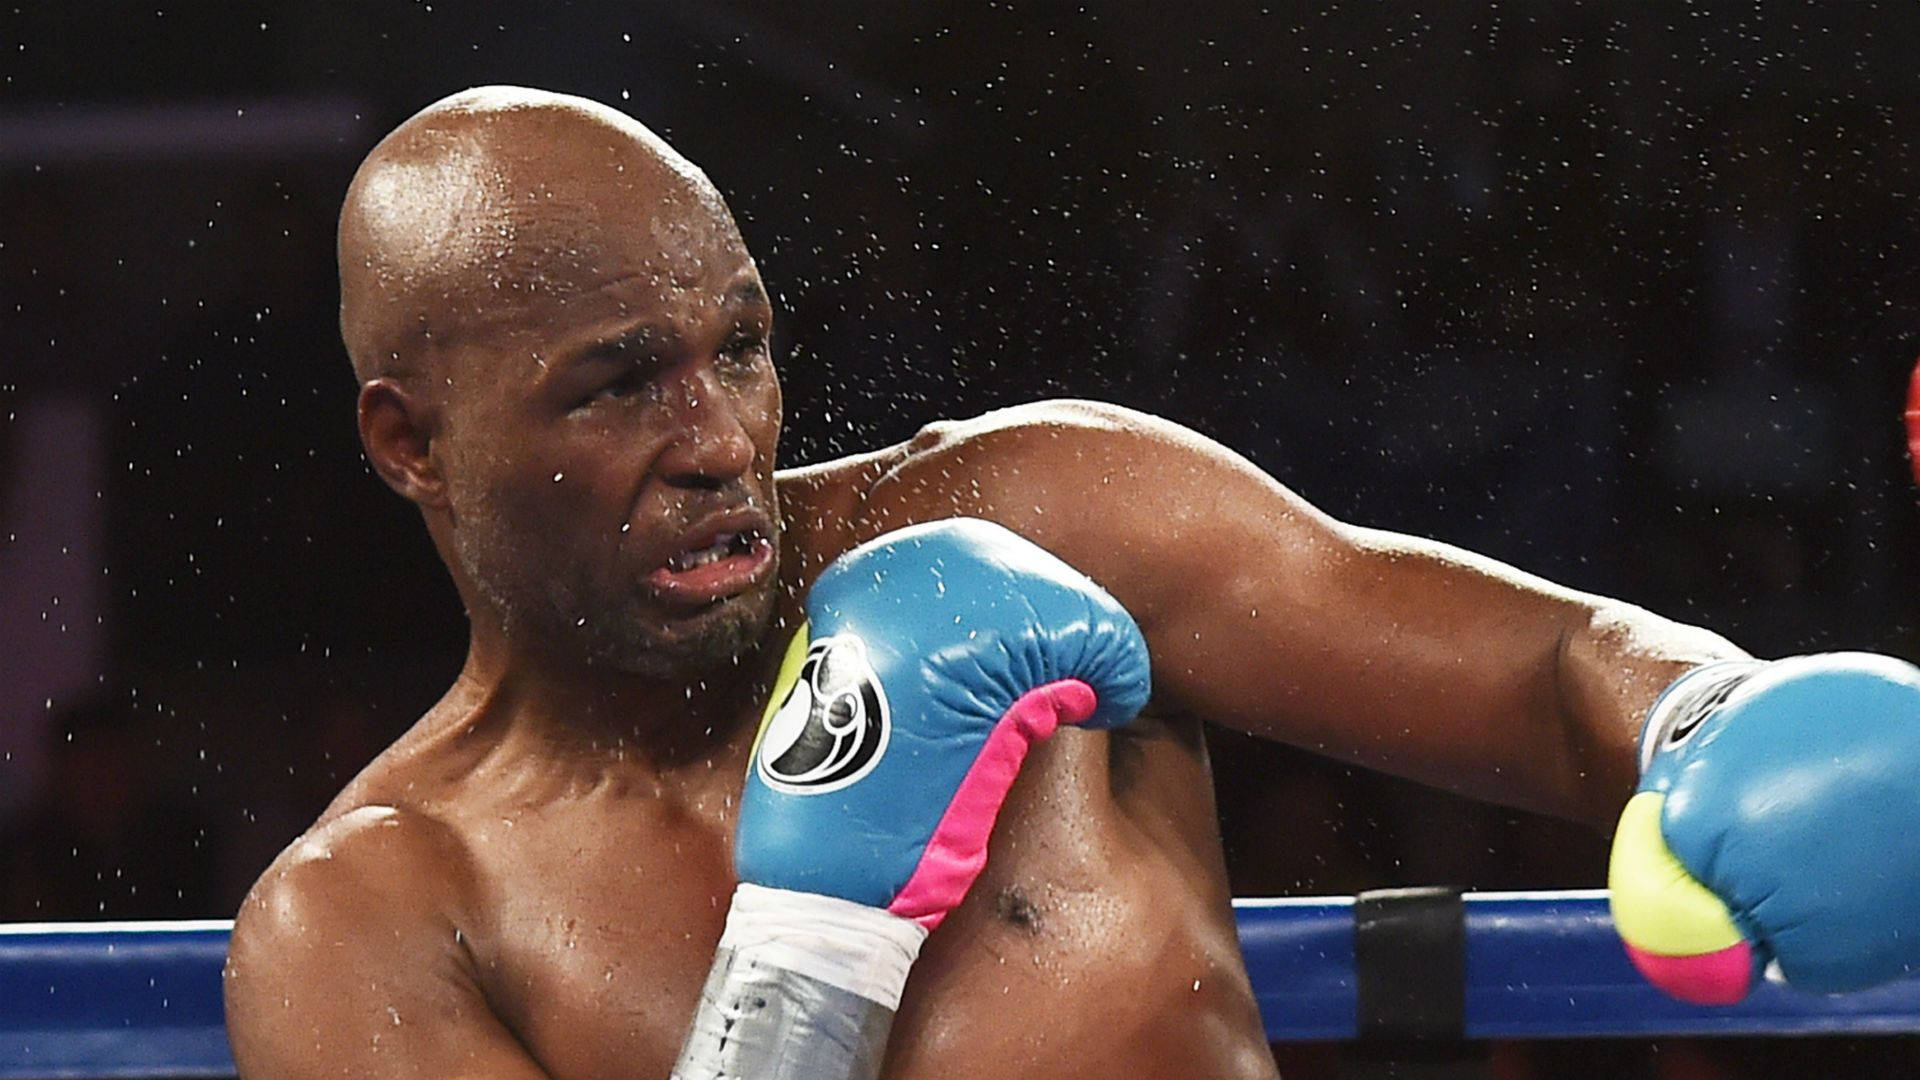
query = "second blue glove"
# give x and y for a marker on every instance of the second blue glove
(1774, 824)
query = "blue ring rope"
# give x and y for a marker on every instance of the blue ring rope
(143, 999)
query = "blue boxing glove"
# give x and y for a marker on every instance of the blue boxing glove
(1774, 825)
(932, 659)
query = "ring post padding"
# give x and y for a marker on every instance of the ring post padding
(1410, 964)
(1538, 965)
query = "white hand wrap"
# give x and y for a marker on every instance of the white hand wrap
(862, 950)
(803, 987)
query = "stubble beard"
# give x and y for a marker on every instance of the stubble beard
(552, 604)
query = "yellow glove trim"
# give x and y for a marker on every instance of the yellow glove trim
(782, 684)
(1657, 905)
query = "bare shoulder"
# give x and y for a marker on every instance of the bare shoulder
(384, 836)
(389, 834)
(1067, 427)
(352, 957)
(370, 899)
(1127, 497)
(368, 865)
(1019, 449)
(1014, 465)
(1053, 419)
(361, 846)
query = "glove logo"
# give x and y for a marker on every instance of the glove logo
(834, 725)
(1696, 713)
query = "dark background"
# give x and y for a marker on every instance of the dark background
(1625, 294)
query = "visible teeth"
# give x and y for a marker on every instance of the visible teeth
(721, 547)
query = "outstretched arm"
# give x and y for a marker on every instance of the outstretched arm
(1266, 615)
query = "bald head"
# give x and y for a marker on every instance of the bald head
(498, 197)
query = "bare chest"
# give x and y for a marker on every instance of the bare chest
(1086, 947)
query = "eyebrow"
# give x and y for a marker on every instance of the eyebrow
(745, 294)
(635, 336)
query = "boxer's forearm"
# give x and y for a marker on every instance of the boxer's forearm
(1611, 667)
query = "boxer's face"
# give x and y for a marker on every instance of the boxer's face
(610, 429)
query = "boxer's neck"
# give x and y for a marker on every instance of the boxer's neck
(591, 714)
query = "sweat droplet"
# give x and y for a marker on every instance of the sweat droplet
(557, 476)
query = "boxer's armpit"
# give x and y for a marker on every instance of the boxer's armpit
(347, 959)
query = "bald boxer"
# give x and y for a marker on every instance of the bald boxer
(562, 345)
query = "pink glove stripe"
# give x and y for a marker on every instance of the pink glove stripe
(957, 851)
(1715, 978)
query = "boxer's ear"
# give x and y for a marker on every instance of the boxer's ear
(397, 429)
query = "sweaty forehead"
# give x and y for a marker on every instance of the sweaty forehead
(476, 207)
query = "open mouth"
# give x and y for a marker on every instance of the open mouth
(715, 567)
(726, 545)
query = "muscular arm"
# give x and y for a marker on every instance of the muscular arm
(1265, 615)
(345, 962)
